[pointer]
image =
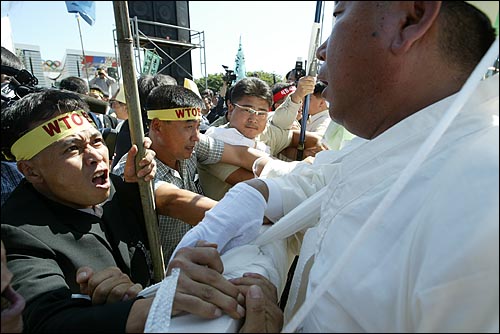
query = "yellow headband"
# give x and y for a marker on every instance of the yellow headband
(176, 114)
(49, 132)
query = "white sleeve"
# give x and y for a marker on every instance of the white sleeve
(235, 220)
(274, 210)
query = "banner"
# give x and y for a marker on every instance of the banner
(86, 9)
(151, 62)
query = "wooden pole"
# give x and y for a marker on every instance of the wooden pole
(124, 40)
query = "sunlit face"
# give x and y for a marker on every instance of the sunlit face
(316, 104)
(249, 124)
(356, 63)
(120, 109)
(74, 170)
(174, 140)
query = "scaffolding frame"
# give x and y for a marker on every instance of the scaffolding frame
(140, 39)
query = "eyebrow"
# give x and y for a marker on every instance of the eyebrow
(252, 107)
(76, 137)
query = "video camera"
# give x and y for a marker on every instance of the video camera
(21, 84)
(299, 69)
(229, 77)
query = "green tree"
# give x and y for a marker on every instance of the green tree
(270, 78)
(214, 81)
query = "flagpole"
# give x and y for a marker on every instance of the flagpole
(81, 41)
(124, 39)
(313, 69)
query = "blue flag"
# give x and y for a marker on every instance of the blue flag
(86, 9)
(239, 66)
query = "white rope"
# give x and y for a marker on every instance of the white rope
(410, 169)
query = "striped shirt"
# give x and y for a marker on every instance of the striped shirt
(207, 151)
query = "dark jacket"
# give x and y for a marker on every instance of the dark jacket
(47, 242)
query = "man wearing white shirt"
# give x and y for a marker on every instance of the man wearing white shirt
(319, 118)
(430, 261)
(251, 100)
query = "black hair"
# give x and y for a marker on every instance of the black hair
(146, 83)
(32, 110)
(11, 60)
(167, 97)
(319, 88)
(466, 34)
(75, 84)
(290, 73)
(252, 86)
(164, 80)
(227, 97)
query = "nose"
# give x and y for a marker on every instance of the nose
(93, 155)
(252, 118)
(195, 135)
(321, 52)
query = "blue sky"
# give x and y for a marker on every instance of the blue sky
(273, 33)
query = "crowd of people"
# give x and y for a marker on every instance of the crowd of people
(385, 225)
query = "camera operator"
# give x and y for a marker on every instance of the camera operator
(288, 99)
(229, 77)
(13, 80)
(218, 108)
(295, 74)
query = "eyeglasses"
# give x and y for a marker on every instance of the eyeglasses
(251, 111)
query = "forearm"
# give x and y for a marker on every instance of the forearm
(138, 315)
(56, 311)
(290, 153)
(241, 156)
(238, 176)
(285, 114)
(182, 204)
(236, 220)
(311, 139)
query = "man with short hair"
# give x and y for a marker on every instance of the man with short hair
(103, 81)
(388, 246)
(174, 114)
(10, 176)
(251, 100)
(78, 214)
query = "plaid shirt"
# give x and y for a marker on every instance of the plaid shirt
(207, 151)
(11, 177)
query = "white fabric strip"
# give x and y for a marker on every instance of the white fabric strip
(161, 310)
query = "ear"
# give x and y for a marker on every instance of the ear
(155, 125)
(322, 103)
(420, 16)
(29, 170)
(230, 109)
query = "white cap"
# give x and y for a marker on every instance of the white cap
(120, 96)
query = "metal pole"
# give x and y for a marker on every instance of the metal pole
(83, 52)
(124, 40)
(31, 66)
(313, 69)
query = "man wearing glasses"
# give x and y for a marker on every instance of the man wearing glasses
(251, 101)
